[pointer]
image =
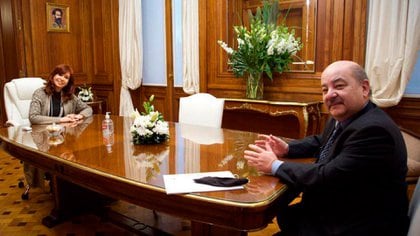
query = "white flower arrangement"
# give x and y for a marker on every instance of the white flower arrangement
(149, 127)
(85, 93)
(263, 47)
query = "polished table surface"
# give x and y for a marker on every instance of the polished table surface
(135, 172)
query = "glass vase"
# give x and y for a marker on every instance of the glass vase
(254, 86)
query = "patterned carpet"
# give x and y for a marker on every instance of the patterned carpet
(23, 217)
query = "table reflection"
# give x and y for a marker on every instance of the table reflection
(144, 166)
(134, 173)
(184, 152)
(44, 140)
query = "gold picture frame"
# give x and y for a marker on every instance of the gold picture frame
(58, 17)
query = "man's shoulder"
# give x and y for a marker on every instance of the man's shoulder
(375, 117)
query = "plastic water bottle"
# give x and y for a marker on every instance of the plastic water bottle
(108, 132)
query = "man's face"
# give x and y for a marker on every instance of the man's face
(343, 94)
(57, 15)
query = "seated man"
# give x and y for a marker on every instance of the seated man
(357, 185)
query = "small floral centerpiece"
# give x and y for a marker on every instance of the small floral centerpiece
(264, 47)
(149, 126)
(85, 93)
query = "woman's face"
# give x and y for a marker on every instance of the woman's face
(60, 81)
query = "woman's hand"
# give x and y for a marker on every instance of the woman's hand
(71, 118)
(75, 116)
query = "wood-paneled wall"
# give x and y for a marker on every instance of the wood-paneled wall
(340, 34)
(90, 46)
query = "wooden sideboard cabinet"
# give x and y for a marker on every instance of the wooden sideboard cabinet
(287, 119)
(96, 106)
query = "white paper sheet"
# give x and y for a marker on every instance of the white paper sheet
(184, 183)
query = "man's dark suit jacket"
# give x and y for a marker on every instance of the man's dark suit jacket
(360, 188)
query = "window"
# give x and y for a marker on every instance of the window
(413, 86)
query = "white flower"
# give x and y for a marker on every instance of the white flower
(279, 45)
(143, 131)
(153, 116)
(161, 127)
(270, 50)
(141, 121)
(135, 114)
(225, 47)
(240, 42)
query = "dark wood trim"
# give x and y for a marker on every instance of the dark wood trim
(10, 31)
(169, 60)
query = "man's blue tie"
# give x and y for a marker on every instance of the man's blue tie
(326, 149)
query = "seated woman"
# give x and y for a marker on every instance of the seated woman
(56, 102)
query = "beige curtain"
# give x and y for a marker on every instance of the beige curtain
(190, 54)
(131, 51)
(393, 39)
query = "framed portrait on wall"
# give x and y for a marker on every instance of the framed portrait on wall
(58, 18)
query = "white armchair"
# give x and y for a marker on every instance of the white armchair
(197, 113)
(201, 109)
(17, 99)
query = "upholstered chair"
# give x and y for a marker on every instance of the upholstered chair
(414, 212)
(200, 118)
(17, 98)
(412, 141)
(201, 109)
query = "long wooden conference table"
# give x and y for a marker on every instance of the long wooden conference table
(134, 173)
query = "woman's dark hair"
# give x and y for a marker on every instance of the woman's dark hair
(68, 90)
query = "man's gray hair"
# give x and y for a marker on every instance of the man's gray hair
(359, 73)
